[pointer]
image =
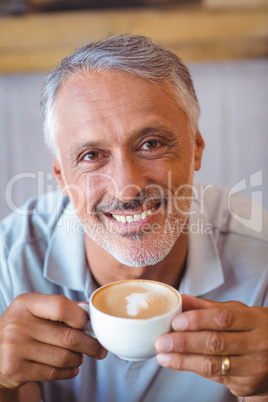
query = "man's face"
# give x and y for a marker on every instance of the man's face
(127, 159)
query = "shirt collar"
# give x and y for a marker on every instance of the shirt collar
(204, 271)
(65, 262)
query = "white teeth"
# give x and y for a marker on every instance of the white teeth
(144, 215)
(133, 218)
(137, 217)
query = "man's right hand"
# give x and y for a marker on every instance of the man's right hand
(42, 339)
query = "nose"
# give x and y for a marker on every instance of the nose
(128, 178)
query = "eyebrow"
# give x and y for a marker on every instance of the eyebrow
(153, 129)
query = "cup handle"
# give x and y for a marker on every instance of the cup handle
(89, 330)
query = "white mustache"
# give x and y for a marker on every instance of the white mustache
(114, 204)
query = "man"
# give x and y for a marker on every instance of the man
(121, 119)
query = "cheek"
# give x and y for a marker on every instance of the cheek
(180, 174)
(88, 190)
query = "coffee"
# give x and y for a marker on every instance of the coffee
(136, 299)
(128, 316)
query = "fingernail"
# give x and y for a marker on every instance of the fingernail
(76, 371)
(87, 326)
(163, 344)
(163, 359)
(179, 323)
(103, 353)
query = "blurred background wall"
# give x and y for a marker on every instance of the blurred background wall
(223, 42)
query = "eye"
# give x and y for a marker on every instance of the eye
(152, 148)
(91, 156)
(151, 144)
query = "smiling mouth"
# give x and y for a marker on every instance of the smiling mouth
(135, 217)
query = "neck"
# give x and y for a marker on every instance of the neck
(105, 269)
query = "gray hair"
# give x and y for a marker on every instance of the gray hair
(135, 54)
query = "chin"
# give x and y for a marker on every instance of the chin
(138, 249)
(139, 252)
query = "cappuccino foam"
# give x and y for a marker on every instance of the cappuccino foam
(135, 299)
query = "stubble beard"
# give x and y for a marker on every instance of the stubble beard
(138, 250)
(144, 248)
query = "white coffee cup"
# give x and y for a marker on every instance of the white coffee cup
(128, 316)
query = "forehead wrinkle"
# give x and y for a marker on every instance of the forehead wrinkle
(105, 124)
(102, 97)
(100, 109)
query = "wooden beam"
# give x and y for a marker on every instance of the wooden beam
(37, 42)
(235, 3)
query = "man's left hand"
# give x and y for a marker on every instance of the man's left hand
(208, 331)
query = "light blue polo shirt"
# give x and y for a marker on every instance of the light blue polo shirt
(42, 250)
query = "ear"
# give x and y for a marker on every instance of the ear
(59, 176)
(199, 147)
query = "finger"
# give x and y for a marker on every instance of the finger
(29, 371)
(209, 366)
(53, 356)
(195, 303)
(206, 342)
(58, 334)
(53, 333)
(244, 383)
(56, 308)
(41, 372)
(217, 318)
